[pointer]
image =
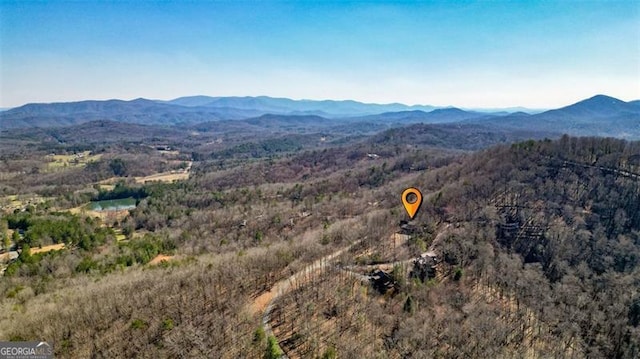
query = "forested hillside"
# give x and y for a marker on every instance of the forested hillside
(537, 245)
(540, 246)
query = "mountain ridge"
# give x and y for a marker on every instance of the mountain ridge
(281, 105)
(598, 115)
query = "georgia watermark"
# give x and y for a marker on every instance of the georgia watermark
(26, 350)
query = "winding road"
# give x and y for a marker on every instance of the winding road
(264, 303)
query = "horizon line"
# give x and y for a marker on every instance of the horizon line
(315, 100)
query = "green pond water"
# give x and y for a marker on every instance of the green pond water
(113, 204)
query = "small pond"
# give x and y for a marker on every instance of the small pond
(113, 204)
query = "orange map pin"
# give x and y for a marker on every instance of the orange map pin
(411, 199)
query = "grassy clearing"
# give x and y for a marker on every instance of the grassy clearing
(107, 187)
(163, 177)
(167, 176)
(105, 216)
(13, 202)
(57, 162)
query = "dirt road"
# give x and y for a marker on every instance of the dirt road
(264, 303)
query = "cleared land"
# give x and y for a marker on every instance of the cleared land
(56, 162)
(13, 202)
(167, 176)
(52, 247)
(163, 177)
(107, 187)
(103, 215)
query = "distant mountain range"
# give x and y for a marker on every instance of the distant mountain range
(326, 108)
(597, 116)
(185, 110)
(600, 115)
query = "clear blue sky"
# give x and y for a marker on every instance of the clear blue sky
(469, 54)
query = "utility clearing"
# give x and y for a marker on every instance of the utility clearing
(49, 248)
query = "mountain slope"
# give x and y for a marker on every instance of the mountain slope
(139, 111)
(599, 106)
(597, 116)
(454, 136)
(444, 115)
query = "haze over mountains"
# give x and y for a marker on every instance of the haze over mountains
(327, 108)
(597, 116)
(186, 110)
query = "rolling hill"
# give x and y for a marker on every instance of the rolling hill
(468, 137)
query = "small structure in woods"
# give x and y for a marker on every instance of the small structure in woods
(382, 281)
(424, 267)
(407, 229)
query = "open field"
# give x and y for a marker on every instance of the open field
(107, 187)
(18, 202)
(56, 162)
(10, 202)
(167, 176)
(163, 177)
(108, 216)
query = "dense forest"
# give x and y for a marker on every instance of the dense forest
(275, 247)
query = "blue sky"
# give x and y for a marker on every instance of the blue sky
(468, 54)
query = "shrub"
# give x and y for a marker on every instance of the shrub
(273, 349)
(457, 275)
(138, 324)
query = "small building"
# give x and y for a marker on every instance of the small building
(407, 228)
(424, 267)
(382, 281)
